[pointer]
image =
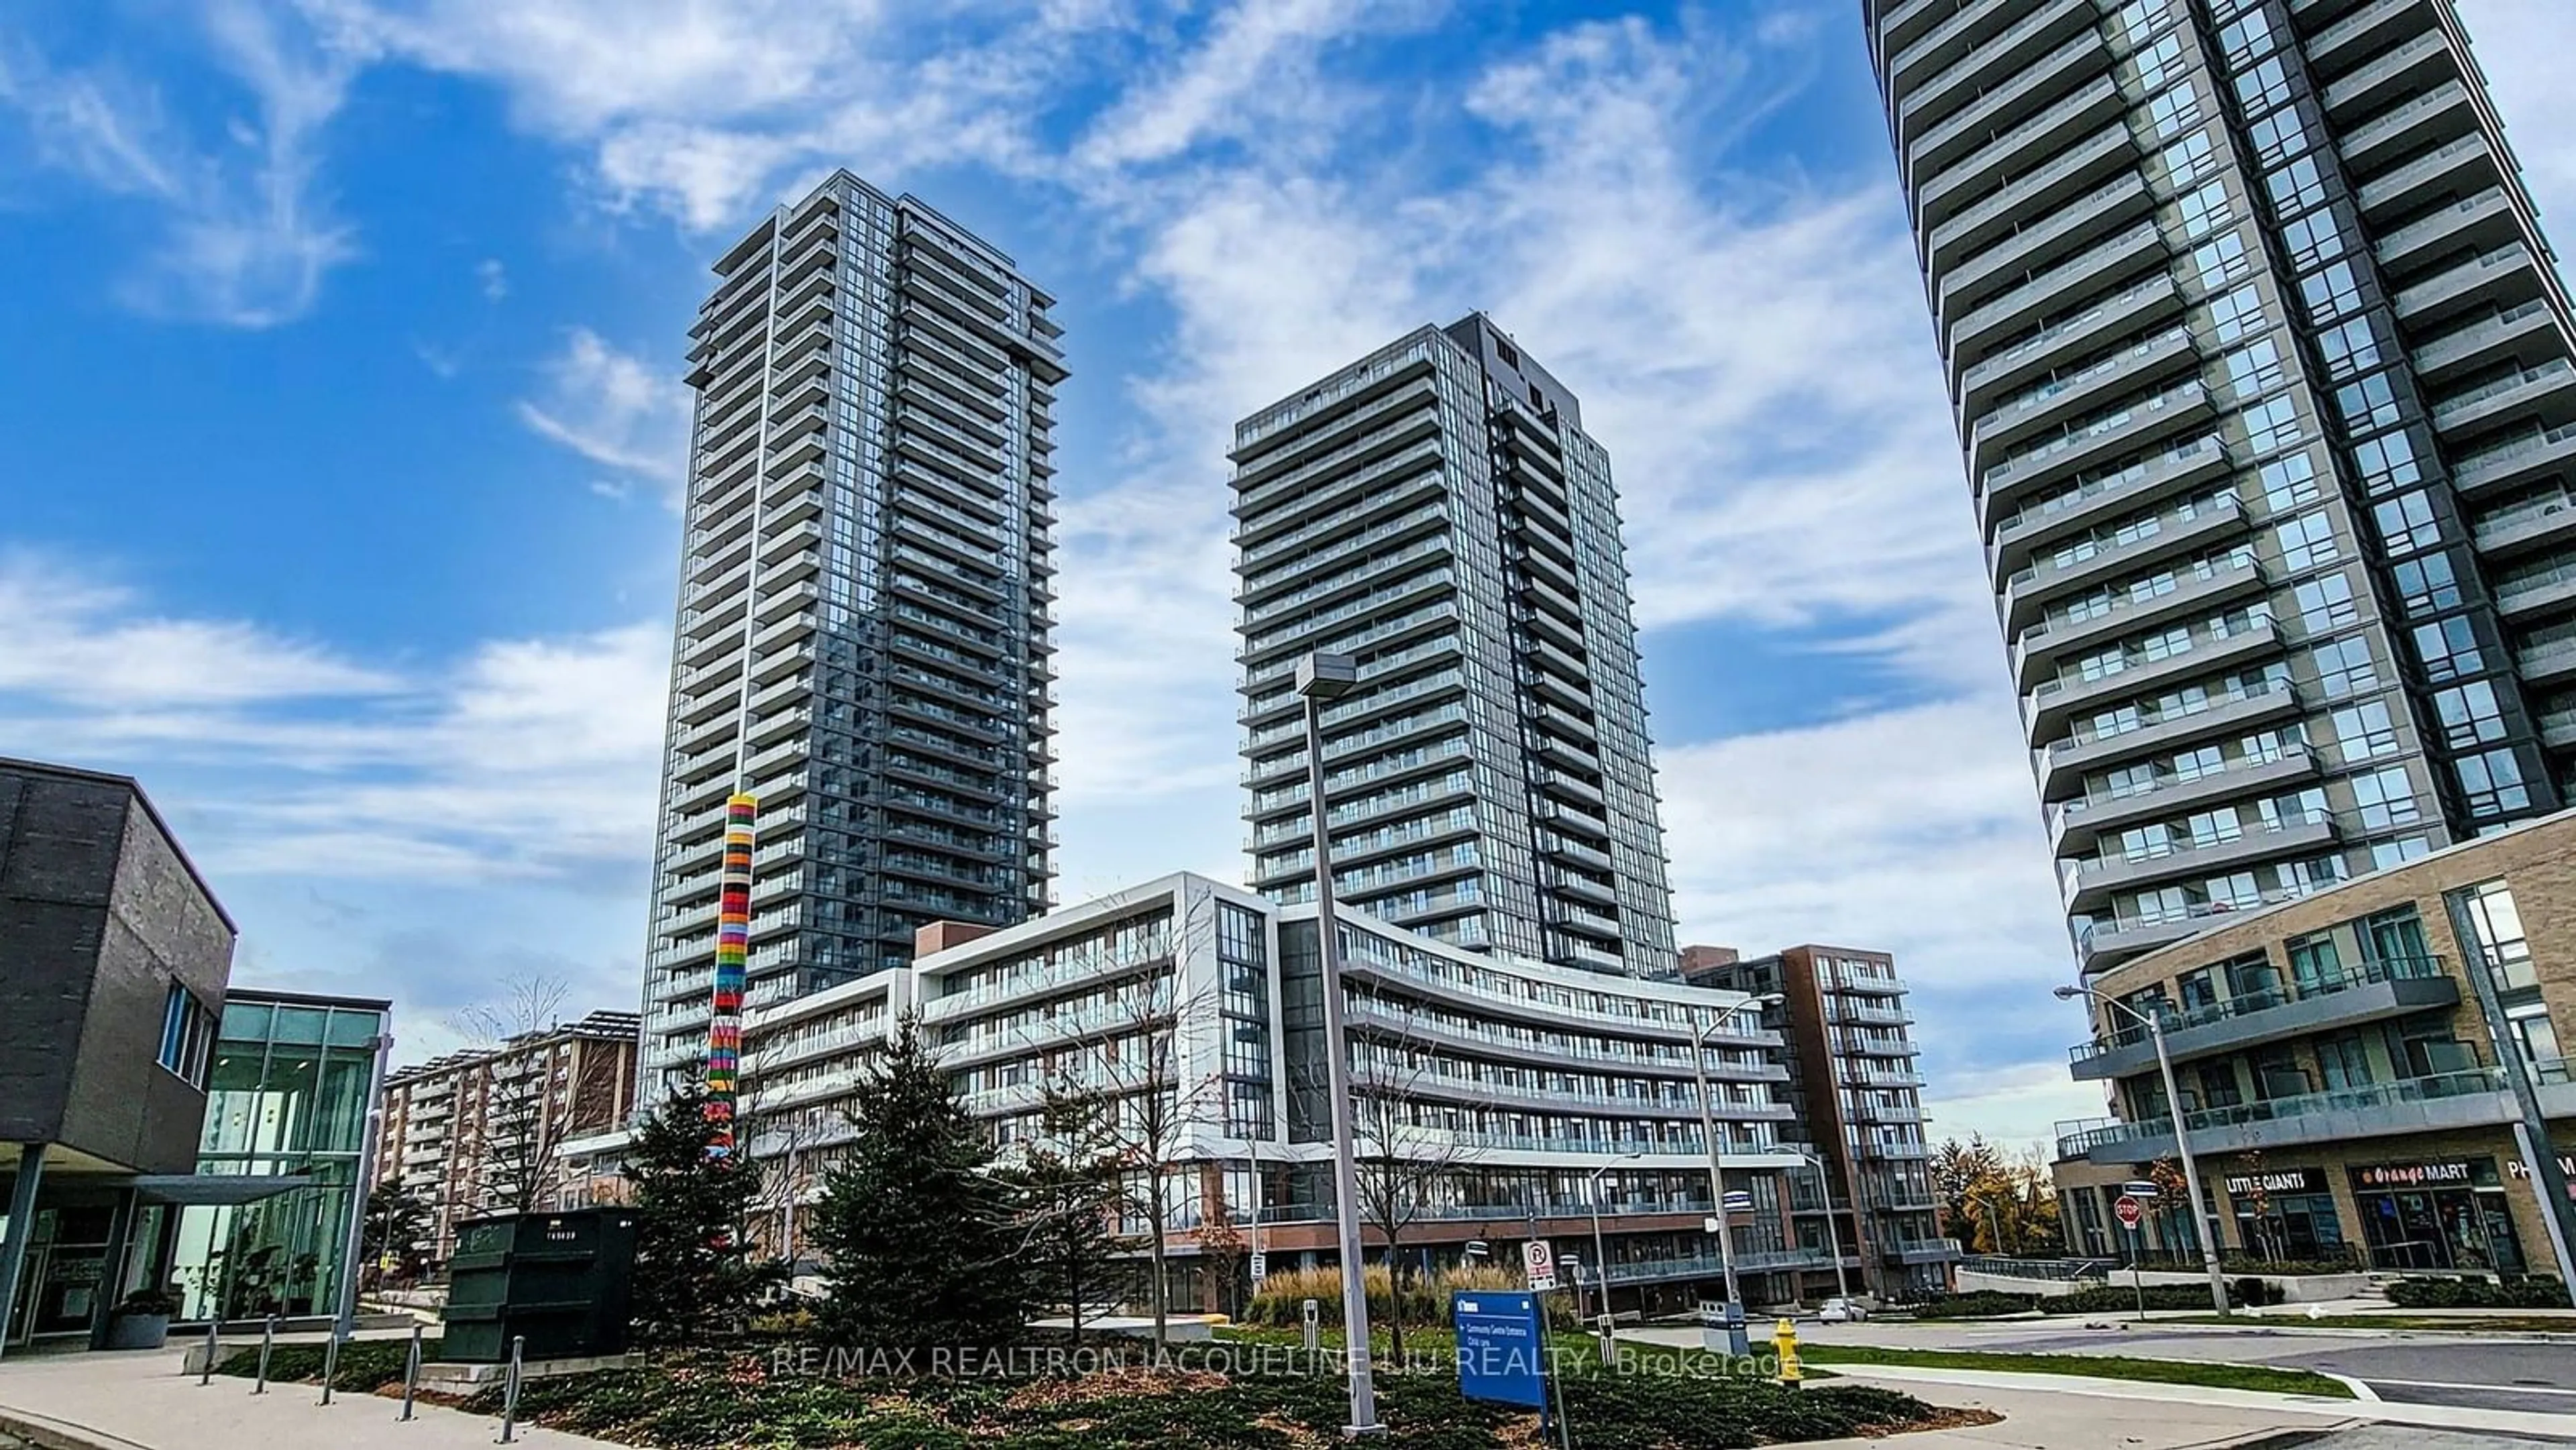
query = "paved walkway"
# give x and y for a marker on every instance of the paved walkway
(141, 1401)
(2063, 1416)
(2152, 1404)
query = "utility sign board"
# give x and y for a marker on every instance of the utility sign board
(1260, 1267)
(1501, 1353)
(1538, 1260)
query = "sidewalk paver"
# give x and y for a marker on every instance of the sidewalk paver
(143, 1400)
(2063, 1417)
(2392, 1412)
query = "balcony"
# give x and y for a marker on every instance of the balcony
(2366, 992)
(1943, 71)
(2430, 118)
(1983, 385)
(2503, 278)
(2464, 166)
(2486, 221)
(1923, 1251)
(1941, 198)
(2027, 594)
(2529, 330)
(2413, 69)
(2442, 1103)
(2526, 459)
(2537, 590)
(2102, 499)
(2204, 585)
(2092, 161)
(2073, 227)
(2109, 264)
(2088, 885)
(1960, 136)
(2045, 710)
(2074, 826)
(2049, 405)
(2063, 764)
(2131, 429)
(2547, 391)
(2548, 662)
(2526, 527)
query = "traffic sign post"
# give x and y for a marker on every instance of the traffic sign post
(2131, 1216)
(1538, 1262)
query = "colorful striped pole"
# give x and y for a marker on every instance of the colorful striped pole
(733, 940)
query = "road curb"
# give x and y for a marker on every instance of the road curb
(47, 1433)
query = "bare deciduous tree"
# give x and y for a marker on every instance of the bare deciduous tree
(527, 1113)
(1407, 1150)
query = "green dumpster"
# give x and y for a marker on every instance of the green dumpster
(558, 1280)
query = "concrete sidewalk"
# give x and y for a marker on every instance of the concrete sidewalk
(2170, 1400)
(141, 1401)
(2068, 1416)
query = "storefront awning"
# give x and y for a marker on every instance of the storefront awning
(212, 1189)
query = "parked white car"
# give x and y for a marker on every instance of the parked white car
(1843, 1311)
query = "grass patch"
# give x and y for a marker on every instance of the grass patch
(364, 1364)
(2266, 1378)
(741, 1400)
(2483, 1324)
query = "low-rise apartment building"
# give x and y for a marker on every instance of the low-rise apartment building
(1855, 1086)
(1506, 1098)
(480, 1131)
(2347, 1077)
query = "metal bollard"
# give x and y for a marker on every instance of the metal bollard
(330, 1363)
(214, 1346)
(510, 1395)
(411, 1374)
(267, 1342)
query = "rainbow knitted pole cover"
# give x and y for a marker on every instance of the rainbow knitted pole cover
(733, 939)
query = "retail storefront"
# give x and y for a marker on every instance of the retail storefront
(2446, 1214)
(2286, 1214)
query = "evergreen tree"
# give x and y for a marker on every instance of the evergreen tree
(921, 1233)
(696, 1268)
(1067, 1186)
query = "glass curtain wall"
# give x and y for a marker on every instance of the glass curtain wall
(288, 1096)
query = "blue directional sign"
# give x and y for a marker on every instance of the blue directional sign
(1501, 1351)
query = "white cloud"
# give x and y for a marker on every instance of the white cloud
(2522, 46)
(614, 409)
(247, 240)
(1256, 56)
(523, 757)
(492, 278)
(2017, 1107)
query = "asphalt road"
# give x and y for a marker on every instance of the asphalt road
(2412, 1437)
(2424, 1369)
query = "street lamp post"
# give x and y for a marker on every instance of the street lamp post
(1600, 1255)
(1833, 1234)
(2201, 1230)
(1322, 677)
(1735, 1341)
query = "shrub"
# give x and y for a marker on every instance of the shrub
(364, 1364)
(1976, 1304)
(2440, 1293)
(1280, 1302)
(2115, 1297)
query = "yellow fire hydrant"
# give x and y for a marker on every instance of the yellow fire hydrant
(1784, 1341)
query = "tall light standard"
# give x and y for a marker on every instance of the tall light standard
(2201, 1230)
(1600, 1255)
(1833, 1234)
(1323, 677)
(1735, 1341)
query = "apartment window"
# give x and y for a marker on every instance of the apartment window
(2448, 648)
(2289, 482)
(2386, 799)
(2387, 462)
(2331, 294)
(2157, 62)
(2246, 39)
(2278, 135)
(2264, 88)
(2238, 313)
(187, 1035)
(2534, 1035)
(2188, 160)
(2297, 187)
(2368, 405)
(2326, 603)
(2221, 261)
(2272, 426)
(2350, 348)
(2491, 783)
(2312, 241)
(2469, 714)
(2501, 939)
(2344, 666)
(2406, 523)
(2255, 369)
(2426, 585)
(2307, 542)
(2365, 730)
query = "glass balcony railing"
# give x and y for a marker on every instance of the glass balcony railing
(2343, 979)
(2094, 1139)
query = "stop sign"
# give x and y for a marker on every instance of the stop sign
(2127, 1212)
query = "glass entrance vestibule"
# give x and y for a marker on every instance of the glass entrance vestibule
(2440, 1215)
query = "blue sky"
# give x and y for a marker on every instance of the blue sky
(341, 427)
